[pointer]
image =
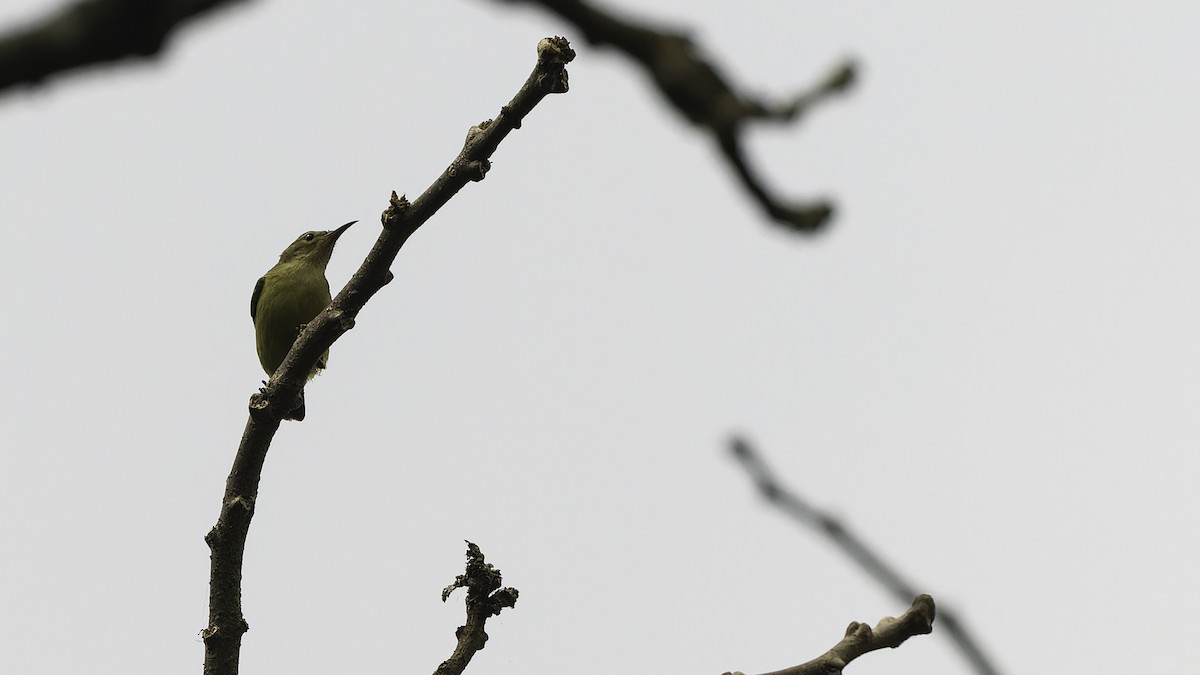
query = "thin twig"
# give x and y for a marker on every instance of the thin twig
(890, 632)
(227, 539)
(870, 561)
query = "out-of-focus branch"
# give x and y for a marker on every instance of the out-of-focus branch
(861, 639)
(227, 539)
(698, 90)
(91, 32)
(485, 599)
(810, 516)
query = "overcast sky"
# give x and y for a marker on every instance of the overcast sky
(988, 366)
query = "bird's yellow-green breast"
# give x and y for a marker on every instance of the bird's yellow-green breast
(291, 294)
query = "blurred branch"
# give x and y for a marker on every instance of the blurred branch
(91, 32)
(227, 539)
(485, 599)
(861, 639)
(698, 90)
(803, 512)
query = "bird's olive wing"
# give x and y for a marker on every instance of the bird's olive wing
(255, 296)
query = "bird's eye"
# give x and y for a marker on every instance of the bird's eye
(309, 236)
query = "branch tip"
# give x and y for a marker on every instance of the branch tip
(555, 51)
(861, 639)
(843, 77)
(553, 56)
(485, 598)
(739, 447)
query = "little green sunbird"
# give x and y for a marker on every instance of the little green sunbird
(289, 295)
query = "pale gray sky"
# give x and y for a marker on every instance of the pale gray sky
(988, 367)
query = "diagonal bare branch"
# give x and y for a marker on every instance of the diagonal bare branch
(870, 561)
(889, 633)
(227, 539)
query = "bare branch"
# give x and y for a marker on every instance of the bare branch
(698, 90)
(227, 539)
(92, 32)
(861, 639)
(805, 513)
(485, 599)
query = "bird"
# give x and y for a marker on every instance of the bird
(288, 296)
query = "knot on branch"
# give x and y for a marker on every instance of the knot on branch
(344, 320)
(473, 171)
(394, 213)
(259, 401)
(233, 632)
(264, 404)
(477, 130)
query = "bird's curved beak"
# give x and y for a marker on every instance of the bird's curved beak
(338, 232)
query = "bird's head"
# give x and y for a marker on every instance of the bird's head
(314, 247)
